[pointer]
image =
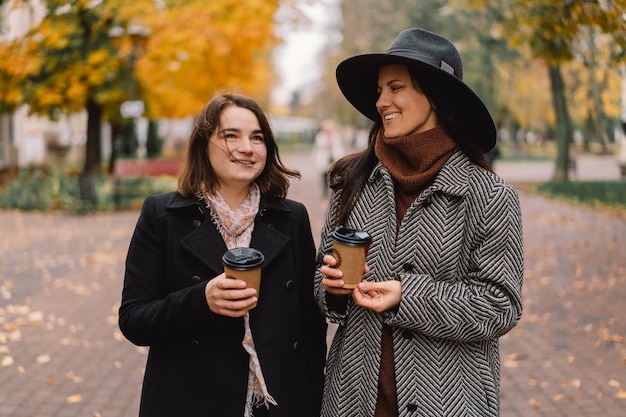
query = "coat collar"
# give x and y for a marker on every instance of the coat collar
(206, 244)
(452, 179)
(178, 201)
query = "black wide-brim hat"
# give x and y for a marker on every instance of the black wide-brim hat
(435, 57)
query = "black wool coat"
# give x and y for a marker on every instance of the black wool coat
(196, 364)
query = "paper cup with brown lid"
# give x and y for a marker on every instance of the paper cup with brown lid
(350, 248)
(244, 264)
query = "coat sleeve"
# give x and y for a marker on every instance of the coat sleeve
(485, 301)
(149, 314)
(313, 322)
(334, 307)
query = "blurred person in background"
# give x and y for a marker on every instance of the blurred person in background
(210, 353)
(443, 275)
(327, 148)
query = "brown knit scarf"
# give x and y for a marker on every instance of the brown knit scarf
(413, 162)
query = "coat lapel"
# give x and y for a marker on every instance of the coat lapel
(268, 240)
(206, 244)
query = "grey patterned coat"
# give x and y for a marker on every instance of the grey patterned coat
(459, 257)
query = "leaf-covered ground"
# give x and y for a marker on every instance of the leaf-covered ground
(62, 354)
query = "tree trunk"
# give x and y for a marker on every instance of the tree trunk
(87, 186)
(117, 131)
(598, 116)
(92, 151)
(563, 123)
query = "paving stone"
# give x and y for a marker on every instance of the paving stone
(62, 355)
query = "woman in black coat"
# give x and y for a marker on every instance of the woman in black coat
(177, 300)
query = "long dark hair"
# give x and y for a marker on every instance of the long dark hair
(350, 173)
(197, 172)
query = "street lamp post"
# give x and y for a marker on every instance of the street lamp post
(133, 108)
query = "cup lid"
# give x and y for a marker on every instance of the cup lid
(351, 237)
(243, 258)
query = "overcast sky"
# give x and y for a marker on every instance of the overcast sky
(297, 59)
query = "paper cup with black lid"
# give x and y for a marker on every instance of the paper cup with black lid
(350, 248)
(244, 264)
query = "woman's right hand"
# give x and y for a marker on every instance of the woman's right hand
(332, 280)
(229, 297)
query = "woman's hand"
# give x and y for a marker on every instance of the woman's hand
(229, 297)
(378, 296)
(332, 280)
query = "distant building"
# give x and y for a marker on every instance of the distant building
(29, 140)
(294, 129)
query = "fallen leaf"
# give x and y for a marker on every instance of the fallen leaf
(72, 399)
(35, 318)
(71, 376)
(534, 403)
(621, 394)
(7, 361)
(41, 359)
(576, 383)
(48, 382)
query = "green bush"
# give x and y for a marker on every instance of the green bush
(606, 193)
(53, 189)
(131, 191)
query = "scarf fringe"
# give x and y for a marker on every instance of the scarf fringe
(257, 390)
(257, 399)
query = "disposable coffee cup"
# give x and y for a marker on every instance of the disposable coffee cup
(350, 248)
(244, 264)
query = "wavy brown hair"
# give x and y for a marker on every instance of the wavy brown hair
(350, 173)
(198, 174)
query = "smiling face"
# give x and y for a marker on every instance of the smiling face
(403, 107)
(237, 150)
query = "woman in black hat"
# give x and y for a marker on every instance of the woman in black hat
(419, 336)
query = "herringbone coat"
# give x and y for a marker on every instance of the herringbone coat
(459, 256)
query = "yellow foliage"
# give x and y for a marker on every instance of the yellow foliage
(198, 48)
(195, 48)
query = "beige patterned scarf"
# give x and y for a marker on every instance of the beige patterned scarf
(236, 228)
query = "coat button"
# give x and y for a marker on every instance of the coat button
(411, 407)
(407, 334)
(196, 279)
(194, 344)
(196, 223)
(297, 346)
(407, 267)
(289, 285)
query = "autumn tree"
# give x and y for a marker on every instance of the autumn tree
(551, 29)
(196, 47)
(72, 67)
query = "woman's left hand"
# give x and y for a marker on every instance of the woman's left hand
(378, 296)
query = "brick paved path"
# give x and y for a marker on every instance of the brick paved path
(62, 355)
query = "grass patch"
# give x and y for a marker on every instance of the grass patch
(131, 191)
(594, 193)
(54, 188)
